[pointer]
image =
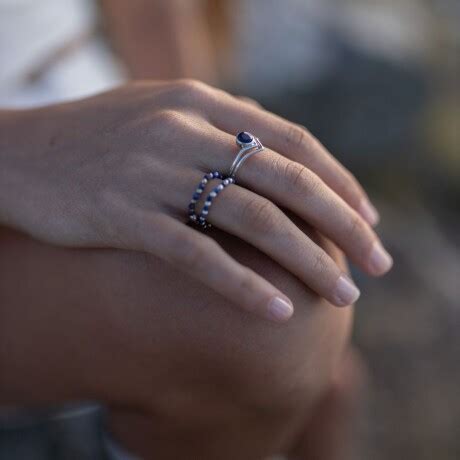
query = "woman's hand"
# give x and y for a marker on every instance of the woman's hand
(119, 169)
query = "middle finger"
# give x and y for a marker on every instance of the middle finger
(295, 187)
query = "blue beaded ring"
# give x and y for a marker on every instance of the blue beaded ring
(249, 145)
(192, 216)
(202, 222)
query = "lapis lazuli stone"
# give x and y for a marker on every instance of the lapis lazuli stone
(244, 137)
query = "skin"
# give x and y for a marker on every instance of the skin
(161, 39)
(66, 178)
(172, 359)
(117, 171)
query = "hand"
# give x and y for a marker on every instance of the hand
(118, 170)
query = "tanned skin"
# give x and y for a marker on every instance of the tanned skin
(184, 373)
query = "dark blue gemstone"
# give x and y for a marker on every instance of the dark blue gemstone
(196, 195)
(244, 137)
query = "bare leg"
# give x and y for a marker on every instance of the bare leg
(165, 353)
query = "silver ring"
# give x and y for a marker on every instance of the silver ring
(249, 146)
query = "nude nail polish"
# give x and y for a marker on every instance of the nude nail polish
(280, 309)
(380, 261)
(368, 212)
(346, 292)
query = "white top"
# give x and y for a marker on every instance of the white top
(31, 31)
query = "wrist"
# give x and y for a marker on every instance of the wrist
(13, 136)
(25, 135)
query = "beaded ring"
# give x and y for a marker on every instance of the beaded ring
(202, 222)
(192, 216)
(249, 145)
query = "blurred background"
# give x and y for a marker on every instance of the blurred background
(378, 82)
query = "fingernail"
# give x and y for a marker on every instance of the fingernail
(380, 261)
(346, 291)
(369, 213)
(279, 309)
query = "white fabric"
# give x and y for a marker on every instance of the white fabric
(31, 31)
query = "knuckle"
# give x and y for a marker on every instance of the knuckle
(296, 137)
(188, 253)
(247, 282)
(167, 120)
(357, 227)
(297, 175)
(309, 184)
(191, 90)
(321, 262)
(260, 214)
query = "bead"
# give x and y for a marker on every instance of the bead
(200, 219)
(244, 138)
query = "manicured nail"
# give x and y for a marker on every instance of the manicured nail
(369, 213)
(346, 291)
(380, 261)
(280, 309)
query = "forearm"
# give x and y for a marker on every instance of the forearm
(161, 39)
(43, 346)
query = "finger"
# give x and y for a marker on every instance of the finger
(293, 186)
(294, 142)
(249, 100)
(202, 258)
(262, 224)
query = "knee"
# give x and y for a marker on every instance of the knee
(261, 364)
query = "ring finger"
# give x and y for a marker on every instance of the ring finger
(293, 186)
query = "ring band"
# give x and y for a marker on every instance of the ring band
(249, 146)
(192, 216)
(202, 219)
